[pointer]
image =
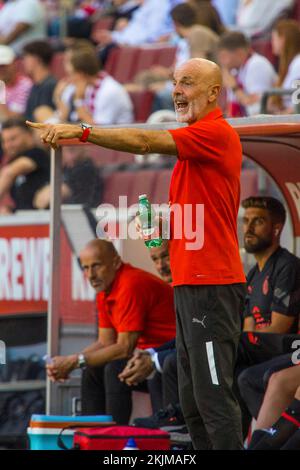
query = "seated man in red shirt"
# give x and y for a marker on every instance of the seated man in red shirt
(136, 309)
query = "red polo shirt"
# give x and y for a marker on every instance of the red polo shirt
(139, 301)
(207, 173)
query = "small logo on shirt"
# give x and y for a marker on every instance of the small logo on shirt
(196, 320)
(265, 287)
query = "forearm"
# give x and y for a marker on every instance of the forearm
(106, 354)
(96, 346)
(18, 31)
(134, 140)
(5, 184)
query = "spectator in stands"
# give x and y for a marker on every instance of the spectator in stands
(119, 11)
(22, 21)
(286, 45)
(135, 309)
(28, 167)
(149, 22)
(195, 40)
(227, 10)
(82, 183)
(255, 17)
(88, 94)
(17, 86)
(208, 15)
(37, 57)
(246, 74)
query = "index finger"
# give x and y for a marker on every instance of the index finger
(36, 125)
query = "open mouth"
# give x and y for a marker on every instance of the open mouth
(181, 106)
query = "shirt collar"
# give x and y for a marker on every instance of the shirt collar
(213, 115)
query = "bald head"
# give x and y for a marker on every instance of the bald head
(100, 262)
(103, 247)
(197, 84)
(206, 70)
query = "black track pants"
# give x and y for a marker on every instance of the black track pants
(208, 331)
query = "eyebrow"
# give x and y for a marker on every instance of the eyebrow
(185, 77)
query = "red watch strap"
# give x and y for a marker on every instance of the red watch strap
(85, 135)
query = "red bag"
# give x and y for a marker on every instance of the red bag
(116, 437)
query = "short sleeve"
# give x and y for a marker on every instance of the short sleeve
(286, 297)
(203, 142)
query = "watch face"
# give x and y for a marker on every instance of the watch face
(85, 125)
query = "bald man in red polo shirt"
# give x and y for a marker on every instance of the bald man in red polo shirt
(208, 278)
(135, 310)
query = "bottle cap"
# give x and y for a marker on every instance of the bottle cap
(143, 196)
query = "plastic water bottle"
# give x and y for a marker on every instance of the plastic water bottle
(149, 230)
(130, 445)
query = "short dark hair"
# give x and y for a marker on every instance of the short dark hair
(85, 60)
(16, 122)
(233, 40)
(184, 14)
(40, 49)
(271, 204)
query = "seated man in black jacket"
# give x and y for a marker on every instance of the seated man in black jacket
(28, 167)
(159, 363)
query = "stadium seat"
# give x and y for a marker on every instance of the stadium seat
(296, 11)
(142, 104)
(166, 56)
(143, 183)
(249, 183)
(263, 46)
(118, 184)
(121, 63)
(161, 189)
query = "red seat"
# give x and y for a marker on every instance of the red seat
(143, 183)
(147, 56)
(263, 46)
(296, 11)
(121, 63)
(249, 183)
(166, 56)
(142, 104)
(118, 184)
(161, 190)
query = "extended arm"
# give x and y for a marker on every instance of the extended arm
(131, 140)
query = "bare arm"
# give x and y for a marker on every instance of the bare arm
(279, 324)
(122, 349)
(130, 140)
(249, 324)
(12, 170)
(18, 31)
(106, 337)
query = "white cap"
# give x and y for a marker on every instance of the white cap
(142, 196)
(7, 55)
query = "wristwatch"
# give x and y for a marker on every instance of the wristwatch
(86, 128)
(81, 361)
